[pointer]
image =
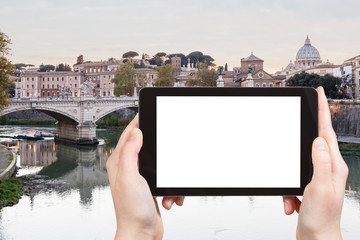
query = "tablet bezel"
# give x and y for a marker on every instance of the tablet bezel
(147, 124)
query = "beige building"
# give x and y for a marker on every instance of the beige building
(47, 84)
(354, 62)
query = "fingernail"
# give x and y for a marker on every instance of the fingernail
(133, 134)
(320, 144)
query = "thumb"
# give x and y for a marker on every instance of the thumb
(130, 151)
(321, 161)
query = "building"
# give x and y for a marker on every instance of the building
(46, 84)
(251, 67)
(307, 56)
(354, 64)
(176, 61)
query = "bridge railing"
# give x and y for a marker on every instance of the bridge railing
(72, 99)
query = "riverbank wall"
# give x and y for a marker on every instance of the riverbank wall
(345, 116)
(7, 163)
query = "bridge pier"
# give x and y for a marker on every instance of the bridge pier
(83, 133)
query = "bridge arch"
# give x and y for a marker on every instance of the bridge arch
(113, 109)
(56, 113)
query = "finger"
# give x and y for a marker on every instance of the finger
(180, 201)
(133, 124)
(322, 162)
(325, 127)
(128, 157)
(291, 204)
(168, 202)
(339, 167)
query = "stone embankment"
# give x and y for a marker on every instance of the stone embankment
(7, 162)
(345, 115)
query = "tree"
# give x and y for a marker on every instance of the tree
(226, 67)
(80, 59)
(130, 54)
(197, 57)
(205, 77)
(63, 67)
(46, 68)
(21, 66)
(125, 80)
(334, 87)
(6, 70)
(166, 75)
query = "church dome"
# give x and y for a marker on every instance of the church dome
(307, 51)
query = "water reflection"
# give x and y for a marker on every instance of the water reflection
(82, 168)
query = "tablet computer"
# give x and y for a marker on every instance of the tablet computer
(227, 141)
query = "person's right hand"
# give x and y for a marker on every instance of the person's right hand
(321, 206)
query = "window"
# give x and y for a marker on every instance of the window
(109, 84)
(257, 85)
(43, 85)
(104, 76)
(95, 70)
(104, 85)
(27, 79)
(86, 78)
(75, 78)
(62, 79)
(48, 79)
(71, 85)
(27, 86)
(32, 86)
(48, 86)
(57, 85)
(75, 85)
(43, 79)
(57, 79)
(271, 84)
(27, 94)
(70, 78)
(53, 86)
(264, 84)
(43, 94)
(32, 79)
(48, 93)
(90, 69)
(108, 93)
(109, 77)
(53, 79)
(104, 93)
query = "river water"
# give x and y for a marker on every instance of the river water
(69, 198)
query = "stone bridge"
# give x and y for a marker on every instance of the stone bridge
(75, 117)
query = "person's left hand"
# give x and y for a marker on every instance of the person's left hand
(137, 211)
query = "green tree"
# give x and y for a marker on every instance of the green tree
(166, 75)
(197, 57)
(6, 69)
(63, 67)
(130, 54)
(46, 68)
(125, 79)
(80, 59)
(334, 87)
(205, 77)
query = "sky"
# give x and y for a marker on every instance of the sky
(53, 32)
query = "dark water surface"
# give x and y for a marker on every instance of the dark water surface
(69, 198)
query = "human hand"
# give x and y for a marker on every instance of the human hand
(321, 206)
(137, 211)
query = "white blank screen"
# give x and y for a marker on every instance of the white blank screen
(228, 142)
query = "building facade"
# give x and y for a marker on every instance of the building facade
(252, 68)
